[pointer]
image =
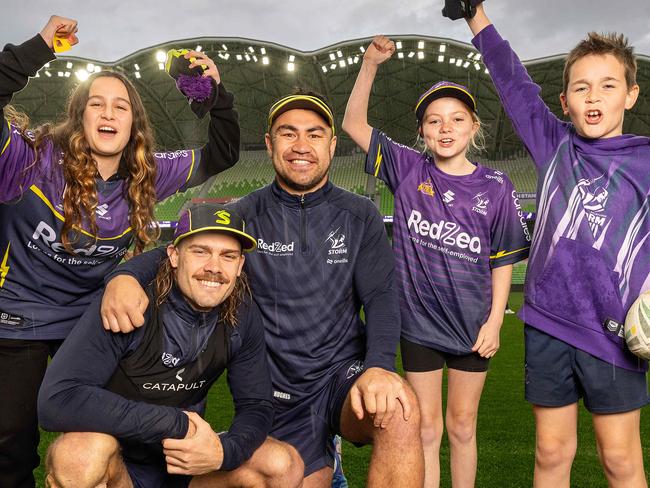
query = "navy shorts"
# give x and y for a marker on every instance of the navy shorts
(154, 475)
(558, 374)
(417, 358)
(147, 469)
(311, 424)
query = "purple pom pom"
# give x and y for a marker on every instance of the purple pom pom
(197, 88)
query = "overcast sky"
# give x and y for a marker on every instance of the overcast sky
(110, 30)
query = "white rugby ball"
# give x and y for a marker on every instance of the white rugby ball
(637, 326)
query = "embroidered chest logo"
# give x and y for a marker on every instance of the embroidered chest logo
(448, 197)
(169, 360)
(101, 212)
(594, 195)
(338, 247)
(480, 203)
(426, 187)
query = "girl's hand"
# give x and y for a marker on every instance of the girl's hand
(380, 50)
(59, 27)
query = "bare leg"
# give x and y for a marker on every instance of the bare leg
(86, 460)
(619, 448)
(274, 464)
(397, 458)
(428, 388)
(556, 443)
(463, 397)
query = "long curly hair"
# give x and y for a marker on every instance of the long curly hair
(165, 280)
(80, 170)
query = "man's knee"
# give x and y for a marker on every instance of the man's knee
(286, 467)
(401, 430)
(80, 459)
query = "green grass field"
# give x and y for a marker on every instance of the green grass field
(506, 435)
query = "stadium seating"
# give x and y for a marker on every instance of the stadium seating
(255, 170)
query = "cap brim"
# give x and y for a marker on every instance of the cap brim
(248, 243)
(441, 92)
(303, 102)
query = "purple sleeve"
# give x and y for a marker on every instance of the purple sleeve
(16, 163)
(510, 238)
(17, 64)
(72, 397)
(388, 160)
(174, 170)
(539, 129)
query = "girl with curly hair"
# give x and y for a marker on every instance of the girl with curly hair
(74, 196)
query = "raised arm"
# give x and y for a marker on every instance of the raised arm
(479, 22)
(180, 170)
(355, 121)
(17, 64)
(539, 129)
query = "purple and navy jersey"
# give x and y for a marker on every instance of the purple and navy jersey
(590, 255)
(43, 288)
(448, 233)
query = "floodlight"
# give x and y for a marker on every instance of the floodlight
(82, 75)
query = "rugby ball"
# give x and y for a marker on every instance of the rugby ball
(637, 326)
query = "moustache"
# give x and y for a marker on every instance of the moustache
(218, 277)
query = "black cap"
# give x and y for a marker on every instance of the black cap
(213, 217)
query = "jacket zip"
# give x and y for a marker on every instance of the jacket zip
(303, 225)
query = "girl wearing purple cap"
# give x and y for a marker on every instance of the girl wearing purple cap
(457, 230)
(74, 196)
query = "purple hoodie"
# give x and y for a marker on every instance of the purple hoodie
(590, 256)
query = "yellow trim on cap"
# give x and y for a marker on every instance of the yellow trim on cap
(308, 98)
(227, 229)
(424, 97)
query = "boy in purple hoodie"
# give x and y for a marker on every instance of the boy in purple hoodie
(590, 255)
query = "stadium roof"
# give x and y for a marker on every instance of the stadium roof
(258, 73)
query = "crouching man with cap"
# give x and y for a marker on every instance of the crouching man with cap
(129, 402)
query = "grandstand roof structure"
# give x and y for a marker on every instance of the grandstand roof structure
(258, 73)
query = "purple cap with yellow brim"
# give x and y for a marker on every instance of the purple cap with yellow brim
(444, 89)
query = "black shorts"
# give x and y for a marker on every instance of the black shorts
(310, 425)
(417, 358)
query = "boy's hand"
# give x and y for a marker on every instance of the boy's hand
(60, 27)
(380, 50)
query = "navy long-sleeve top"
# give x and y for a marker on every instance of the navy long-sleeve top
(178, 356)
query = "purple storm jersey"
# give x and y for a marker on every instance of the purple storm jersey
(590, 256)
(44, 289)
(448, 233)
(38, 274)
